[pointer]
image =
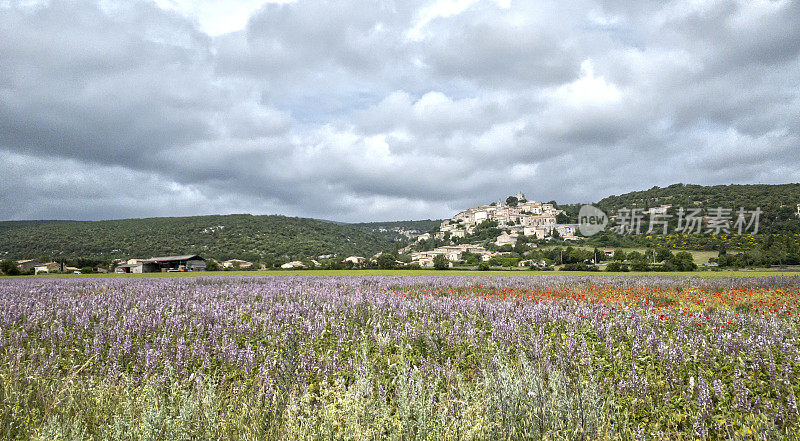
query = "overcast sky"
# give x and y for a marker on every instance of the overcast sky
(358, 110)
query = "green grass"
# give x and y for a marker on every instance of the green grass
(453, 272)
(699, 257)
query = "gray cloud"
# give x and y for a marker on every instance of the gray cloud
(354, 110)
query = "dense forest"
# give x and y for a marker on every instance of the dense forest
(241, 236)
(394, 230)
(777, 202)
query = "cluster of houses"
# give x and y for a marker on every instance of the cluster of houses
(453, 253)
(528, 218)
(296, 264)
(189, 262)
(38, 267)
(523, 218)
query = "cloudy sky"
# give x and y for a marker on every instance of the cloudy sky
(357, 110)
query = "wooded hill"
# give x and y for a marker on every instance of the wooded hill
(281, 238)
(394, 230)
(778, 202)
(222, 237)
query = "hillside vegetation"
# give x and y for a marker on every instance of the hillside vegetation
(395, 230)
(778, 202)
(244, 236)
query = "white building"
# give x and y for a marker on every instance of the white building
(539, 232)
(453, 253)
(46, 268)
(236, 263)
(567, 231)
(659, 211)
(355, 260)
(506, 239)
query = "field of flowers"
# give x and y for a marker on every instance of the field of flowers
(400, 358)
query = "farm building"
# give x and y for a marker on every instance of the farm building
(49, 267)
(129, 268)
(190, 262)
(28, 264)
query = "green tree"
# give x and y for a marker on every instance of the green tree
(387, 261)
(440, 262)
(9, 268)
(635, 256)
(683, 261)
(617, 267)
(663, 255)
(471, 258)
(512, 201)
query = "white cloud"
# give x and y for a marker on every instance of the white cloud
(366, 110)
(588, 90)
(217, 17)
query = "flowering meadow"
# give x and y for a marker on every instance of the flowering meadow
(400, 358)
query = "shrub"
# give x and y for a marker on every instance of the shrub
(579, 267)
(440, 262)
(617, 267)
(10, 268)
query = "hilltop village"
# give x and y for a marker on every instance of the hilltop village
(512, 232)
(503, 222)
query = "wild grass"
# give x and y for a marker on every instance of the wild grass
(509, 402)
(393, 358)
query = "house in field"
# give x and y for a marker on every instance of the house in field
(49, 267)
(293, 264)
(189, 262)
(26, 265)
(129, 268)
(236, 263)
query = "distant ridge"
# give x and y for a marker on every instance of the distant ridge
(242, 236)
(274, 237)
